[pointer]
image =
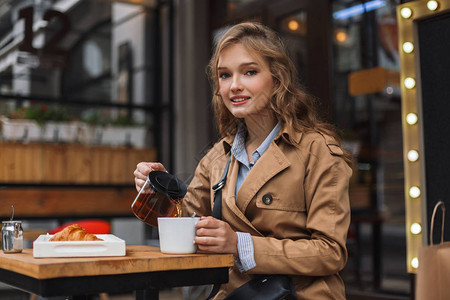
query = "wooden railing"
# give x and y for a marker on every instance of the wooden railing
(69, 163)
(67, 180)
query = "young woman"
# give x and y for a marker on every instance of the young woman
(285, 207)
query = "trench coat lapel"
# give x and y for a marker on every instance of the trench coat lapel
(272, 162)
(240, 222)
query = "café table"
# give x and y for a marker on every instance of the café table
(144, 269)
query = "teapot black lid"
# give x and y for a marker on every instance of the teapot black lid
(167, 184)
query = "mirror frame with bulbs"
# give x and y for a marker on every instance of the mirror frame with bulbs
(413, 146)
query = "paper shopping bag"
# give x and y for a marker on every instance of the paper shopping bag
(433, 274)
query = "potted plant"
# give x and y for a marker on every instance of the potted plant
(39, 123)
(122, 131)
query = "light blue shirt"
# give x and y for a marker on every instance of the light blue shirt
(245, 243)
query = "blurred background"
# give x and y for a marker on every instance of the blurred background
(89, 88)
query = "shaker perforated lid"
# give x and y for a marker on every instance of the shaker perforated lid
(167, 184)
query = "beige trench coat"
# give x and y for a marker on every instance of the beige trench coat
(295, 205)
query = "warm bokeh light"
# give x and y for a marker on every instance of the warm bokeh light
(416, 228)
(411, 118)
(341, 36)
(413, 155)
(406, 12)
(293, 25)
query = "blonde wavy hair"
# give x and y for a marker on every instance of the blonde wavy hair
(291, 105)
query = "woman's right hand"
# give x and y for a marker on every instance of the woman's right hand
(142, 171)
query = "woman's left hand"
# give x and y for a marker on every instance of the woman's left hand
(216, 236)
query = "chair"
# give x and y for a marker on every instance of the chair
(93, 226)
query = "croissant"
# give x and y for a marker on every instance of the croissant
(74, 232)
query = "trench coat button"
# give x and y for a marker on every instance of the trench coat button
(267, 199)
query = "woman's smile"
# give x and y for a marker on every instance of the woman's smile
(238, 100)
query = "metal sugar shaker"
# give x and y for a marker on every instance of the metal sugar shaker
(12, 236)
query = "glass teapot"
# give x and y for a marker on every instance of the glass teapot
(160, 196)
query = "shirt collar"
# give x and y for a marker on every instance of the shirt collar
(295, 135)
(238, 148)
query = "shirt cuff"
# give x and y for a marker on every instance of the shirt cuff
(246, 252)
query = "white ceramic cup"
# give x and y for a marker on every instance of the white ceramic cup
(176, 235)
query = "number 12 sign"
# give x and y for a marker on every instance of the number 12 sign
(51, 45)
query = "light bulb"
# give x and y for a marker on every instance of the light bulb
(408, 47)
(406, 12)
(432, 5)
(411, 118)
(414, 192)
(413, 155)
(410, 82)
(415, 262)
(416, 228)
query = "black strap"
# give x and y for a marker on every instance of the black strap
(214, 291)
(217, 211)
(217, 188)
